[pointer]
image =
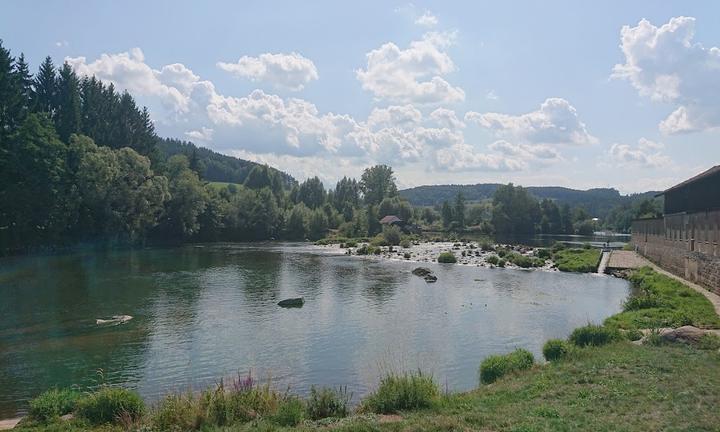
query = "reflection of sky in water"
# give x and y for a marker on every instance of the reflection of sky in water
(206, 313)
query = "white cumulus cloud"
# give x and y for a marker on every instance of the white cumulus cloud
(289, 71)
(555, 122)
(646, 154)
(412, 75)
(665, 64)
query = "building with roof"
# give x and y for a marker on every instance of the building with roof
(686, 240)
(392, 220)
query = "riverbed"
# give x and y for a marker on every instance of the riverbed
(200, 313)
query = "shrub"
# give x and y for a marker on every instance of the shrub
(290, 412)
(501, 263)
(497, 366)
(492, 259)
(108, 404)
(392, 235)
(407, 255)
(502, 252)
(487, 247)
(350, 243)
(328, 402)
(53, 403)
(593, 335)
(555, 349)
(447, 257)
(558, 246)
(402, 392)
(405, 243)
(543, 254)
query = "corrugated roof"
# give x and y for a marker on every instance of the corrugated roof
(712, 171)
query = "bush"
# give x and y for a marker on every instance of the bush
(501, 263)
(402, 392)
(350, 243)
(290, 412)
(392, 235)
(487, 247)
(593, 335)
(108, 404)
(407, 255)
(405, 244)
(176, 413)
(497, 366)
(558, 246)
(543, 254)
(328, 402)
(492, 259)
(447, 257)
(53, 403)
(555, 349)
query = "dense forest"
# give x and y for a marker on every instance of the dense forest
(80, 163)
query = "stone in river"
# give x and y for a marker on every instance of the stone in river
(422, 271)
(292, 302)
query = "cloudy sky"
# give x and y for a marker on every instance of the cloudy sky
(578, 94)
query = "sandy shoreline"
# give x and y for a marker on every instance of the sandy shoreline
(470, 253)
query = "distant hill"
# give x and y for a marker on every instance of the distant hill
(597, 202)
(216, 167)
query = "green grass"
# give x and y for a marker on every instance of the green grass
(402, 392)
(109, 404)
(495, 367)
(53, 403)
(661, 301)
(577, 260)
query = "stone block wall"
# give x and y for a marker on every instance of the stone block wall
(687, 245)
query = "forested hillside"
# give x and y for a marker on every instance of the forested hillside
(597, 202)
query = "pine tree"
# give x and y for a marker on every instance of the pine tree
(67, 120)
(46, 88)
(25, 81)
(10, 96)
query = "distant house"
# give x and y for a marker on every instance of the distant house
(392, 220)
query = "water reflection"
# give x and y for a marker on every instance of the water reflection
(202, 313)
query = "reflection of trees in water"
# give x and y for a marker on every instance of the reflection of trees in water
(381, 281)
(48, 329)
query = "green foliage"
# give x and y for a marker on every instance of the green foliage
(663, 302)
(514, 211)
(392, 235)
(402, 392)
(447, 258)
(377, 183)
(290, 412)
(501, 263)
(327, 402)
(108, 404)
(593, 335)
(405, 243)
(577, 260)
(555, 349)
(710, 342)
(492, 259)
(543, 253)
(633, 335)
(496, 366)
(53, 403)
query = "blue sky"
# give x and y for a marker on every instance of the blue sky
(445, 92)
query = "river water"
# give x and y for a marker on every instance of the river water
(204, 313)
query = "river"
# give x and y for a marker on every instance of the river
(202, 313)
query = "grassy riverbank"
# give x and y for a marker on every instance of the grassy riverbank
(597, 380)
(577, 260)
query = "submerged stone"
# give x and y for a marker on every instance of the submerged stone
(422, 271)
(292, 302)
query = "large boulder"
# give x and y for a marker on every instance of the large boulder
(686, 334)
(292, 302)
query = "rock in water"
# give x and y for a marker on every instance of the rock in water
(430, 278)
(115, 320)
(292, 302)
(422, 271)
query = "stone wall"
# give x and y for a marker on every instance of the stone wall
(685, 244)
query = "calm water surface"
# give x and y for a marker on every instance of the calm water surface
(202, 313)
